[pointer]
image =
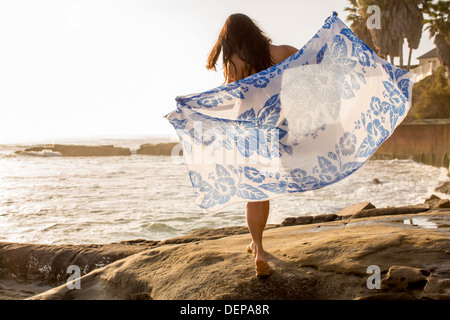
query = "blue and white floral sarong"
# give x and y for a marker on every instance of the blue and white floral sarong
(302, 124)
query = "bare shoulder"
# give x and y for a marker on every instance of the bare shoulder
(281, 52)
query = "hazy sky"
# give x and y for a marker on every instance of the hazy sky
(74, 68)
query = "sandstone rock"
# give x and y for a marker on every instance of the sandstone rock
(48, 263)
(388, 296)
(391, 211)
(289, 221)
(401, 277)
(354, 209)
(328, 264)
(436, 202)
(437, 287)
(207, 233)
(309, 263)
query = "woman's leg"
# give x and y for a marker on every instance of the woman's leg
(257, 214)
(255, 208)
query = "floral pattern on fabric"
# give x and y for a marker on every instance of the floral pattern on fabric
(303, 124)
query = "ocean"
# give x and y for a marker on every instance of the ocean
(47, 198)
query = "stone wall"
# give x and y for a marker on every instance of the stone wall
(426, 141)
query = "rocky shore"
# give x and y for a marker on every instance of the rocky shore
(77, 150)
(162, 149)
(336, 256)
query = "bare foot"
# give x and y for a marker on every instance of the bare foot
(263, 269)
(251, 248)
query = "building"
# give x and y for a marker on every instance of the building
(428, 63)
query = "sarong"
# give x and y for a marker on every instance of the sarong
(303, 124)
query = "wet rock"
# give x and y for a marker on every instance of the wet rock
(165, 149)
(376, 181)
(391, 211)
(444, 188)
(289, 221)
(432, 198)
(304, 220)
(435, 202)
(324, 218)
(48, 263)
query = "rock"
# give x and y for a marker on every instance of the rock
(444, 203)
(303, 220)
(388, 296)
(435, 202)
(391, 211)
(324, 218)
(81, 150)
(206, 234)
(401, 277)
(444, 188)
(437, 287)
(48, 263)
(354, 209)
(432, 198)
(288, 221)
(309, 263)
(376, 181)
(160, 149)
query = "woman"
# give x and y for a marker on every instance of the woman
(245, 51)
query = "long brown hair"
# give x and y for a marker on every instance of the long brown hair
(240, 35)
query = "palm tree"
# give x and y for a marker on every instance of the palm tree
(438, 25)
(386, 38)
(400, 19)
(414, 25)
(359, 25)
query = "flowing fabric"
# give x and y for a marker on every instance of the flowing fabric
(300, 125)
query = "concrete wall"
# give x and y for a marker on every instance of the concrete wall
(425, 141)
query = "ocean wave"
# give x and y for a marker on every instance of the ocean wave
(42, 153)
(158, 227)
(103, 200)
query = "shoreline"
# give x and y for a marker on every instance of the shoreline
(34, 271)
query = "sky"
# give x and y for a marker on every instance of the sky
(113, 68)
